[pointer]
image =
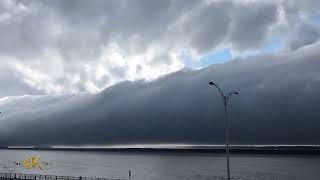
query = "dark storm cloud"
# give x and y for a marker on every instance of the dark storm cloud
(244, 25)
(304, 34)
(209, 25)
(306, 6)
(251, 23)
(278, 104)
(78, 29)
(301, 18)
(75, 37)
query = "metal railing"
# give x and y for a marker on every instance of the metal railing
(235, 176)
(50, 177)
(250, 176)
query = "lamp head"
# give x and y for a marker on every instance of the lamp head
(236, 93)
(211, 83)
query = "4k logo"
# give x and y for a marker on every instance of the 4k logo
(32, 162)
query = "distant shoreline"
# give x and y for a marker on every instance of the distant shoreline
(282, 150)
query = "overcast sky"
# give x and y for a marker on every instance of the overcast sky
(117, 72)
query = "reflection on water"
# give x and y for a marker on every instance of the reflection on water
(164, 166)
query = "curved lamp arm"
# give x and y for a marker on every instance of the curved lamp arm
(230, 94)
(221, 93)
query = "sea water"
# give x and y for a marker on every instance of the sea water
(163, 166)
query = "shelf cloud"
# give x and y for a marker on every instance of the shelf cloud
(277, 104)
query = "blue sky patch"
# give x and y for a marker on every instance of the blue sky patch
(220, 56)
(225, 55)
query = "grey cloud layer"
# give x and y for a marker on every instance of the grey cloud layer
(78, 28)
(251, 24)
(77, 33)
(278, 104)
(304, 34)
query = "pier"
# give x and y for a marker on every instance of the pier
(20, 176)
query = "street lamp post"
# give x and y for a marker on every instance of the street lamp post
(225, 103)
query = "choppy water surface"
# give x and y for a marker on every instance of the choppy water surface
(165, 166)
